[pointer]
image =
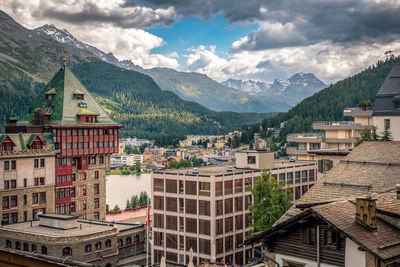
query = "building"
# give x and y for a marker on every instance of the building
(370, 171)
(360, 232)
(99, 243)
(27, 176)
(84, 137)
(386, 112)
(334, 135)
(207, 208)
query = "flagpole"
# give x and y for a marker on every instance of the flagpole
(147, 226)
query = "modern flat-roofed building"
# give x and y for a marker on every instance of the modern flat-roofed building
(207, 209)
(99, 243)
(27, 172)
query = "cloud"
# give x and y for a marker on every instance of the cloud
(104, 24)
(329, 61)
(289, 23)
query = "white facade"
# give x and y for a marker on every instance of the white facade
(379, 122)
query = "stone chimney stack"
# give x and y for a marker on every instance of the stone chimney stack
(398, 191)
(366, 212)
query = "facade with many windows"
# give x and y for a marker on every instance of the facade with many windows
(99, 243)
(207, 209)
(83, 138)
(27, 171)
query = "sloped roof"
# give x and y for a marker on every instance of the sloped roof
(23, 140)
(52, 91)
(85, 111)
(388, 93)
(372, 167)
(64, 105)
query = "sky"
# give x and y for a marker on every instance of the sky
(253, 39)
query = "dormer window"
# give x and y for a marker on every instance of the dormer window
(50, 94)
(87, 116)
(82, 105)
(6, 144)
(35, 142)
(78, 94)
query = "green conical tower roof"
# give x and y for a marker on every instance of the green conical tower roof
(65, 103)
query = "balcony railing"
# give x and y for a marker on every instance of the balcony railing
(334, 123)
(306, 135)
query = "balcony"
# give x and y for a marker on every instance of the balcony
(305, 137)
(357, 112)
(337, 125)
(295, 151)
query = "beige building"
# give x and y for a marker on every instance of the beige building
(104, 244)
(207, 209)
(27, 171)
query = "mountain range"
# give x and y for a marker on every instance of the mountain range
(29, 58)
(231, 95)
(293, 90)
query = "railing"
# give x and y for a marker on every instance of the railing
(334, 123)
(306, 135)
(365, 109)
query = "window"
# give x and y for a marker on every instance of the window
(36, 163)
(69, 145)
(41, 181)
(72, 207)
(251, 160)
(33, 248)
(93, 160)
(128, 240)
(386, 124)
(96, 132)
(6, 184)
(84, 176)
(136, 238)
(120, 242)
(8, 244)
(18, 245)
(6, 165)
(35, 198)
(75, 145)
(25, 182)
(80, 144)
(88, 248)
(43, 197)
(25, 199)
(96, 189)
(67, 251)
(44, 250)
(332, 238)
(6, 203)
(108, 243)
(14, 217)
(96, 175)
(101, 159)
(96, 216)
(13, 165)
(80, 131)
(86, 144)
(42, 163)
(25, 216)
(13, 183)
(96, 203)
(14, 201)
(35, 181)
(69, 132)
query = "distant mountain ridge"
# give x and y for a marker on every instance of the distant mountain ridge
(29, 59)
(189, 86)
(296, 88)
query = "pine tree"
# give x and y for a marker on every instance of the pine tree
(128, 205)
(386, 135)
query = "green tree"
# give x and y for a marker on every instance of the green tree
(374, 135)
(116, 208)
(271, 201)
(365, 135)
(128, 204)
(173, 164)
(107, 208)
(137, 166)
(143, 198)
(365, 104)
(134, 201)
(236, 141)
(386, 135)
(251, 146)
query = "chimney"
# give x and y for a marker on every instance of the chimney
(366, 212)
(398, 191)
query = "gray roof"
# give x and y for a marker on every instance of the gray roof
(388, 95)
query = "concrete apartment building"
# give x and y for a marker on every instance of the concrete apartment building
(335, 135)
(66, 119)
(27, 171)
(99, 243)
(207, 209)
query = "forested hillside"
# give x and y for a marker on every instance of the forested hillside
(328, 104)
(134, 100)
